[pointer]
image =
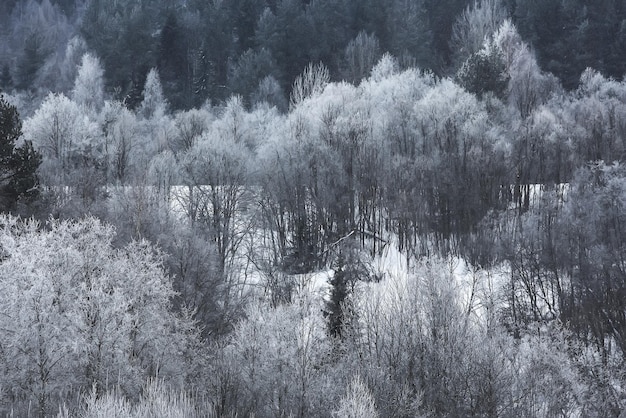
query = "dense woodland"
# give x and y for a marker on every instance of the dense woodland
(347, 208)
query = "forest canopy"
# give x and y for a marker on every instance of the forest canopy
(312, 208)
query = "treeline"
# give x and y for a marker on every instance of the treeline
(211, 50)
(256, 48)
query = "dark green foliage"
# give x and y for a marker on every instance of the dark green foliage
(30, 61)
(10, 128)
(483, 72)
(350, 266)
(441, 15)
(196, 43)
(7, 6)
(18, 165)
(69, 7)
(173, 63)
(572, 35)
(212, 51)
(338, 297)
(371, 17)
(332, 28)
(413, 37)
(249, 70)
(122, 36)
(245, 14)
(288, 35)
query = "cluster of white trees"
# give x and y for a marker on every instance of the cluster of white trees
(82, 317)
(79, 314)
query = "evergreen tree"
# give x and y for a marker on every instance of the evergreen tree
(18, 165)
(334, 312)
(484, 71)
(351, 267)
(441, 15)
(173, 63)
(6, 81)
(30, 61)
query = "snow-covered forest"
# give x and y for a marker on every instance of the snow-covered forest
(324, 208)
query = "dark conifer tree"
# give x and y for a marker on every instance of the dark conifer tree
(30, 61)
(173, 63)
(18, 165)
(335, 306)
(484, 72)
(6, 81)
(350, 267)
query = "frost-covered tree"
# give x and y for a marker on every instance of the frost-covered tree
(310, 83)
(593, 115)
(153, 104)
(64, 135)
(78, 313)
(190, 125)
(158, 399)
(120, 132)
(529, 86)
(232, 123)
(591, 244)
(461, 174)
(75, 50)
(474, 26)
(426, 346)
(73, 152)
(250, 70)
(89, 85)
(357, 402)
(157, 129)
(385, 67)
(215, 172)
(275, 362)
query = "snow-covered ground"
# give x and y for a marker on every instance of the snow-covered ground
(477, 291)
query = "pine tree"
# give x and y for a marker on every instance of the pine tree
(18, 165)
(350, 267)
(334, 312)
(483, 72)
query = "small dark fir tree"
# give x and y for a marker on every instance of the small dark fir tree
(335, 306)
(350, 267)
(18, 165)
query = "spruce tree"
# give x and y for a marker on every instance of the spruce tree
(334, 311)
(350, 267)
